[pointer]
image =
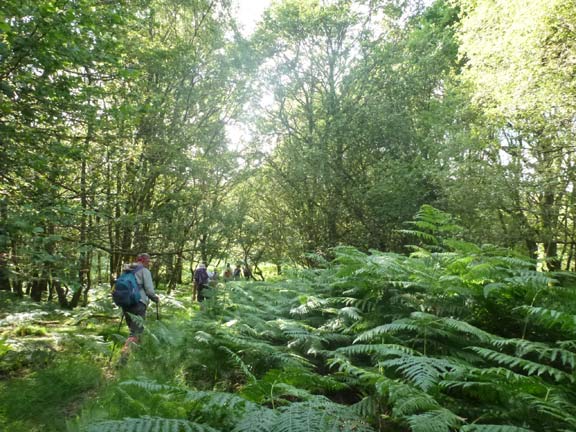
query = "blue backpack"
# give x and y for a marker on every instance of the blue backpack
(126, 291)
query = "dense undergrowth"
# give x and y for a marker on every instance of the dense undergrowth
(454, 336)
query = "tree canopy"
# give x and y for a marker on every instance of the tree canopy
(120, 128)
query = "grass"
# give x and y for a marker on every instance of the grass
(44, 399)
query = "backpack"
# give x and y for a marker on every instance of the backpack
(126, 291)
(201, 276)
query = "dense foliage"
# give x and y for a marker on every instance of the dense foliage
(160, 126)
(454, 336)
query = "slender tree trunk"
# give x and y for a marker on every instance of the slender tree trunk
(4, 248)
(83, 263)
(549, 224)
(17, 285)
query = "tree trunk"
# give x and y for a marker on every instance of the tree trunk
(4, 272)
(61, 293)
(38, 287)
(4, 248)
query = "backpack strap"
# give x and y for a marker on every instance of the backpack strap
(135, 270)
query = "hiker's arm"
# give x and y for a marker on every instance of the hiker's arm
(148, 285)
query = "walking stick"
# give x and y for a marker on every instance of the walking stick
(114, 344)
(158, 310)
(121, 320)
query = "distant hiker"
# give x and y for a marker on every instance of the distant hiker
(213, 277)
(237, 272)
(201, 281)
(247, 272)
(227, 273)
(146, 293)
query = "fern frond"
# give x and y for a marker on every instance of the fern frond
(309, 304)
(396, 326)
(405, 399)
(493, 428)
(476, 377)
(212, 400)
(529, 367)
(532, 279)
(555, 405)
(379, 350)
(151, 386)
(467, 329)
(438, 420)
(367, 407)
(260, 419)
(552, 318)
(541, 350)
(420, 235)
(319, 415)
(149, 424)
(344, 366)
(423, 372)
(352, 313)
(239, 362)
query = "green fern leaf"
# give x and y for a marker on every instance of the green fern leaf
(319, 415)
(439, 420)
(149, 424)
(379, 350)
(541, 350)
(493, 428)
(257, 420)
(423, 372)
(397, 326)
(529, 367)
(405, 399)
(552, 318)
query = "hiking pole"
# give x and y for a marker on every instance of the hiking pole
(158, 310)
(121, 320)
(114, 344)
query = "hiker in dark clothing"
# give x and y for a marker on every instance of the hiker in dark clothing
(147, 293)
(201, 280)
(247, 272)
(237, 272)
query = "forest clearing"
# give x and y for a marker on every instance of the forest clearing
(352, 215)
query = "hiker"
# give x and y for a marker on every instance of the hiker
(247, 272)
(237, 272)
(227, 273)
(213, 277)
(201, 281)
(146, 286)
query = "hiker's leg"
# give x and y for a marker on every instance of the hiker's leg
(201, 296)
(136, 326)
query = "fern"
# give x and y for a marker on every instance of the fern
(423, 372)
(378, 350)
(239, 362)
(149, 424)
(438, 420)
(529, 367)
(260, 419)
(552, 318)
(493, 428)
(151, 386)
(555, 405)
(319, 415)
(397, 326)
(405, 399)
(540, 350)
